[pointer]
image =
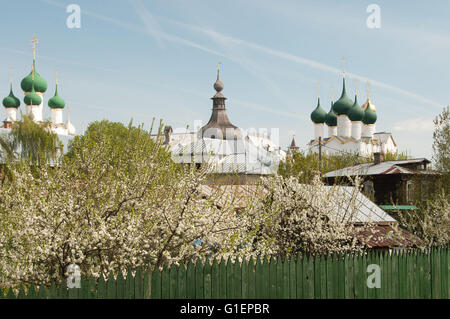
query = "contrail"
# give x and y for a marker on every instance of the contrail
(224, 39)
(300, 60)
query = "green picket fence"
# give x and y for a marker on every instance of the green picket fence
(403, 275)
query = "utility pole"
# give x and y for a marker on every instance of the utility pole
(320, 155)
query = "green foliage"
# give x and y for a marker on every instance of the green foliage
(441, 141)
(431, 222)
(441, 148)
(305, 165)
(33, 142)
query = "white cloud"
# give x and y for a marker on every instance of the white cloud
(414, 125)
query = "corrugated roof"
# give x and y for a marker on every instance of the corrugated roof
(384, 168)
(366, 211)
(241, 156)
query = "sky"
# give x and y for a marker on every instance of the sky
(138, 60)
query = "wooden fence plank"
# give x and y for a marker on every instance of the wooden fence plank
(265, 277)
(317, 278)
(444, 274)
(52, 294)
(147, 283)
(21, 294)
(237, 279)
(181, 281)
(83, 288)
(299, 276)
(285, 290)
(165, 283)
(244, 283)
(199, 285)
(292, 279)
(120, 286)
(10, 294)
(129, 285)
(190, 279)
(229, 268)
(279, 287)
(215, 279)
(341, 275)
(252, 279)
(272, 278)
(138, 284)
(173, 282)
(259, 277)
(101, 290)
(308, 277)
(156, 291)
(223, 280)
(207, 280)
(62, 291)
(349, 279)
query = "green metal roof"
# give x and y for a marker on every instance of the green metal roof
(331, 118)
(399, 207)
(344, 104)
(356, 113)
(11, 101)
(56, 102)
(318, 115)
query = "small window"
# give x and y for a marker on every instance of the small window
(409, 192)
(368, 189)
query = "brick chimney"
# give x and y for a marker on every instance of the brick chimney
(378, 158)
(167, 134)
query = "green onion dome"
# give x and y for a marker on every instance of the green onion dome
(370, 113)
(40, 85)
(344, 104)
(32, 98)
(56, 102)
(11, 101)
(318, 115)
(356, 113)
(331, 118)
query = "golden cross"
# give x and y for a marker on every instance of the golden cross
(218, 66)
(318, 84)
(10, 74)
(332, 92)
(56, 76)
(343, 65)
(34, 40)
(368, 89)
(356, 84)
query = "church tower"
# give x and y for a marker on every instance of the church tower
(219, 126)
(11, 104)
(370, 117)
(34, 85)
(341, 108)
(56, 104)
(318, 116)
(356, 115)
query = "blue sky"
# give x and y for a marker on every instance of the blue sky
(137, 60)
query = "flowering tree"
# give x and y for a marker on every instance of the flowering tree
(308, 218)
(431, 223)
(118, 201)
(115, 201)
